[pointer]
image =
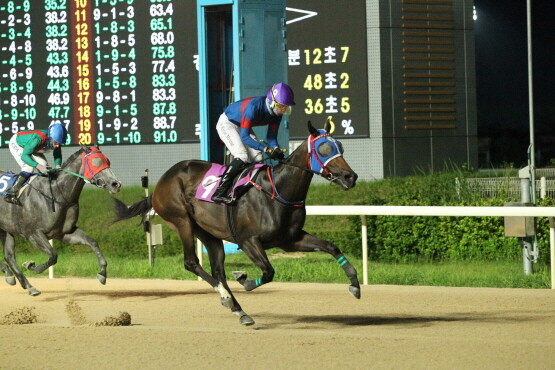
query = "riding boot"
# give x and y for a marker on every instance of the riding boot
(221, 195)
(12, 195)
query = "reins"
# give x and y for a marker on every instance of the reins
(51, 196)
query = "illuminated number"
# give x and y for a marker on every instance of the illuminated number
(85, 124)
(316, 107)
(317, 56)
(82, 28)
(318, 81)
(308, 82)
(345, 80)
(84, 138)
(84, 111)
(345, 50)
(83, 70)
(345, 106)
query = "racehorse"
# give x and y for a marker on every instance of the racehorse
(272, 214)
(50, 209)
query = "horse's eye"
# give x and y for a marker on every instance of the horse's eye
(96, 162)
(325, 149)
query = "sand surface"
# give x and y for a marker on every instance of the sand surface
(181, 325)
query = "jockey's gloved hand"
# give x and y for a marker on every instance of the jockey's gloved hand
(276, 153)
(58, 166)
(42, 169)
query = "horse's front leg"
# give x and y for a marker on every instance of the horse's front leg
(310, 243)
(254, 250)
(78, 237)
(216, 255)
(184, 228)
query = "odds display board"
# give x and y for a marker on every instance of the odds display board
(119, 72)
(327, 65)
(113, 71)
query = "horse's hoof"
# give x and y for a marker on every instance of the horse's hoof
(101, 279)
(226, 302)
(10, 280)
(29, 265)
(355, 291)
(240, 276)
(246, 320)
(33, 291)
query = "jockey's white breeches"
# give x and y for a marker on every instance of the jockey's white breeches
(17, 150)
(230, 135)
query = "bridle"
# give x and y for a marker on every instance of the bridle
(93, 162)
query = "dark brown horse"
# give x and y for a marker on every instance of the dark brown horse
(268, 216)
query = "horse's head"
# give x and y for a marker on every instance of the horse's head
(326, 157)
(96, 168)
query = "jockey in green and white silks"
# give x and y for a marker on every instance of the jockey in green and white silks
(28, 148)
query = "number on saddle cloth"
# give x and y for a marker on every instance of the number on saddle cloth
(212, 178)
(7, 179)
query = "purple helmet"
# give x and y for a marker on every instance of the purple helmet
(280, 94)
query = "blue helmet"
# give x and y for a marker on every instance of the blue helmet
(57, 132)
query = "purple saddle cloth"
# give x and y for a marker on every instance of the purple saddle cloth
(211, 181)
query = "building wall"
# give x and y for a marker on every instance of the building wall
(428, 84)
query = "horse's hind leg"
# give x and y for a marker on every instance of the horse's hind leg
(40, 241)
(254, 250)
(10, 278)
(216, 254)
(310, 243)
(9, 256)
(78, 237)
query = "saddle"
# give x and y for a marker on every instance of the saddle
(212, 178)
(7, 179)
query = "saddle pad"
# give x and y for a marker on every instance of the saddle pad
(212, 178)
(7, 179)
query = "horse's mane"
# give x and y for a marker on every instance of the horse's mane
(298, 148)
(72, 157)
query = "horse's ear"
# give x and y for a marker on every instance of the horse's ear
(329, 126)
(85, 149)
(96, 146)
(312, 130)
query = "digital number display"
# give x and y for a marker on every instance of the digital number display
(113, 71)
(327, 65)
(126, 71)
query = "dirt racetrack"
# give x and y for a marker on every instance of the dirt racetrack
(181, 325)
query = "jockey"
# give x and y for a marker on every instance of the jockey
(27, 147)
(235, 130)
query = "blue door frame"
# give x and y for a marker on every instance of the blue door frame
(270, 74)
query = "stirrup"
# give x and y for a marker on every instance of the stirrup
(222, 198)
(12, 198)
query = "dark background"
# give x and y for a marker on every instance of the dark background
(502, 81)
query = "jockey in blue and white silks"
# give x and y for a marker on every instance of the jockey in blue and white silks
(235, 130)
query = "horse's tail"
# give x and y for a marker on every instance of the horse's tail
(141, 208)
